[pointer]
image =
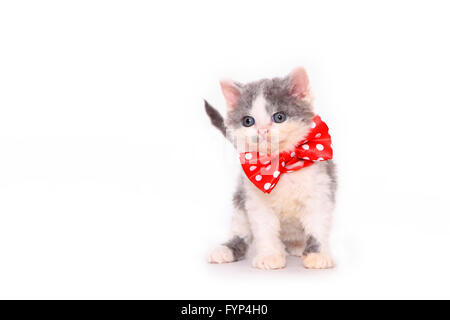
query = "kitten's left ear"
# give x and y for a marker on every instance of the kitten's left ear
(231, 92)
(300, 83)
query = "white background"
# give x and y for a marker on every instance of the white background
(113, 184)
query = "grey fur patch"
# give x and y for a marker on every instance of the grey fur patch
(312, 246)
(332, 173)
(239, 196)
(215, 117)
(238, 246)
(249, 93)
(277, 92)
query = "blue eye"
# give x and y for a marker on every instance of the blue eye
(248, 121)
(279, 117)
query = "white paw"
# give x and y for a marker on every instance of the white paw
(318, 261)
(221, 254)
(270, 261)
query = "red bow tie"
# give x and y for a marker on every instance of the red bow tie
(264, 171)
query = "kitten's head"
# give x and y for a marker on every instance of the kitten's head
(269, 115)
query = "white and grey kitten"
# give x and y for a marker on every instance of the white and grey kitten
(296, 216)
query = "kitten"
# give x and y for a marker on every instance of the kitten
(295, 217)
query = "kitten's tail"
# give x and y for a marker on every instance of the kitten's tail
(215, 117)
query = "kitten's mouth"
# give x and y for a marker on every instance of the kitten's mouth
(267, 141)
(267, 144)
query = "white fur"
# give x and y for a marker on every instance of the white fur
(240, 226)
(259, 113)
(265, 227)
(300, 205)
(301, 199)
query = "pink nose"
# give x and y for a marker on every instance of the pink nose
(263, 132)
(264, 128)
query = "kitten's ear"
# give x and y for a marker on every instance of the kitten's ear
(231, 92)
(300, 83)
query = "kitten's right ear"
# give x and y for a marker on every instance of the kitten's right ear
(231, 92)
(300, 83)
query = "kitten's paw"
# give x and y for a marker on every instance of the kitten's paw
(221, 254)
(318, 261)
(270, 261)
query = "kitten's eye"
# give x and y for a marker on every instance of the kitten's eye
(248, 121)
(279, 117)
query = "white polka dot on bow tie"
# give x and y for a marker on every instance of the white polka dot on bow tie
(258, 178)
(267, 186)
(318, 135)
(283, 164)
(306, 158)
(320, 159)
(293, 154)
(319, 147)
(305, 146)
(248, 156)
(276, 174)
(313, 125)
(252, 168)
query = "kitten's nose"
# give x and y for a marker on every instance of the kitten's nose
(264, 128)
(263, 132)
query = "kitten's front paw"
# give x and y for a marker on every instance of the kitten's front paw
(221, 254)
(318, 261)
(270, 261)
